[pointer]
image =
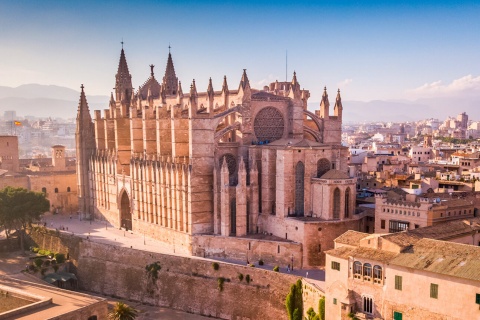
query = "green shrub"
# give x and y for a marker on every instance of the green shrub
(251, 265)
(60, 257)
(46, 263)
(260, 262)
(247, 278)
(276, 268)
(240, 276)
(38, 262)
(35, 249)
(220, 281)
(152, 270)
(215, 266)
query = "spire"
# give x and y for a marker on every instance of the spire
(193, 89)
(123, 78)
(210, 91)
(170, 80)
(83, 113)
(180, 91)
(338, 105)
(324, 104)
(294, 80)
(224, 85)
(244, 82)
(112, 100)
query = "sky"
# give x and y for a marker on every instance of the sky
(369, 49)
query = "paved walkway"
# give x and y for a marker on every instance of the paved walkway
(100, 231)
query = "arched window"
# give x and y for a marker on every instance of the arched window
(367, 271)
(336, 203)
(299, 189)
(357, 269)
(44, 190)
(233, 217)
(377, 274)
(68, 189)
(56, 190)
(347, 203)
(323, 165)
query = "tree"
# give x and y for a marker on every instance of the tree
(122, 311)
(321, 308)
(294, 301)
(19, 208)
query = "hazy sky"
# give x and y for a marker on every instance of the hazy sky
(370, 49)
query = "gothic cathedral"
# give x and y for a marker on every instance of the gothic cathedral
(204, 170)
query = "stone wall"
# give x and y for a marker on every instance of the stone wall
(271, 252)
(185, 283)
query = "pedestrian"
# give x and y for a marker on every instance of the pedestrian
(288, 268)
(306, 275)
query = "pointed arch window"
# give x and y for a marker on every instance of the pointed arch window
(336, 203)
(299, 189)
(347, 203)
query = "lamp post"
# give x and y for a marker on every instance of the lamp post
(144, 243)
(292, 261)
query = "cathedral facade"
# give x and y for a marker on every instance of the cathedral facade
(229, 164)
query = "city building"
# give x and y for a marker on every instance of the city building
(402, 276)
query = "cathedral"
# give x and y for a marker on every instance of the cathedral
(240, 172)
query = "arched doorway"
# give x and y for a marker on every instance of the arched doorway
(125, 212)
(299, 189)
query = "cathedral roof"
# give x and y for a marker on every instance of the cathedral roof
(335, 174)
(262, 95)
(151, 84)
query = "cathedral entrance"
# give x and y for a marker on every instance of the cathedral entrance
(299, 189)
(125, 212)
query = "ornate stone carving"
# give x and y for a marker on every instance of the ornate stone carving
(269, 124)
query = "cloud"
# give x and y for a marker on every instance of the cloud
(344, 83)
(467, 85)
(266, 81)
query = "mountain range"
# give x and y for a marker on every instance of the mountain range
(56, 101)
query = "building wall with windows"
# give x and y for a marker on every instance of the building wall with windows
(414, 279)
(57, 182)
(399, 215)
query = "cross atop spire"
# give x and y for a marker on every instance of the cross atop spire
(151, 69)
(122, 43)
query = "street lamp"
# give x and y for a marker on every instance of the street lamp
(292, 261)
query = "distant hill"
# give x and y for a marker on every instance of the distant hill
(56, 101)
(46, 101)
(405, 110)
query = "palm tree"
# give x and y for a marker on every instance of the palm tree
(122, 311)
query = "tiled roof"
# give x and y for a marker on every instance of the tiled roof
(351, 237)
(363, 253)
(335, 174)
(447, 230)
(454, 259)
